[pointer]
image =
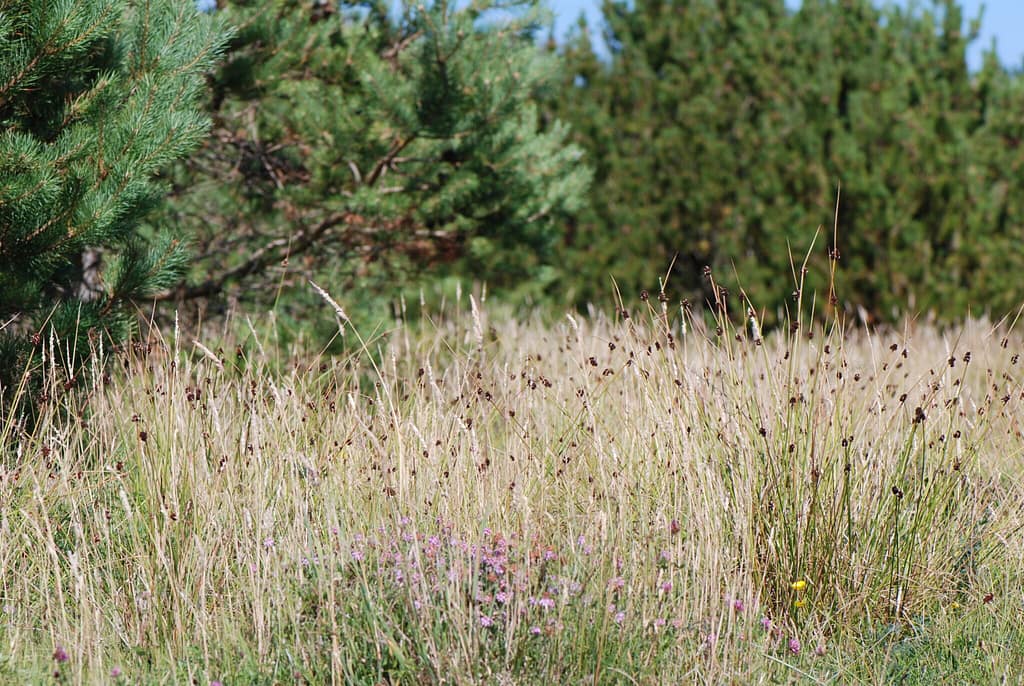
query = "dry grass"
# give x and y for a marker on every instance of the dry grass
(508, 502)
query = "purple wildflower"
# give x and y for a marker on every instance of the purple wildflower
(794, 645)
(486, 621)
(59, 654)
(738, 605)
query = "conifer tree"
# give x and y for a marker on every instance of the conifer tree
(722, 129)
(96, 97)
(359, 142)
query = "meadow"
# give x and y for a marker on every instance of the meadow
(610, 499)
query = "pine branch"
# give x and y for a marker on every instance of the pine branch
(271, 253)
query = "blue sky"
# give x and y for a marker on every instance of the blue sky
(1002, 20)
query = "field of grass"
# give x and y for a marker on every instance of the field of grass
(481, 501)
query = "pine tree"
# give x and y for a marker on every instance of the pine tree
(96, 98)
(355, 144)
(722, 130)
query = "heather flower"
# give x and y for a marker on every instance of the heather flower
(502, 597)
(486, 621)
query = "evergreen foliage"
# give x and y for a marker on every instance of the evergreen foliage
(360, 143)
(723, 129)
(96, 97)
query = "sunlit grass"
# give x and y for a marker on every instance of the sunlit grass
(476, 501)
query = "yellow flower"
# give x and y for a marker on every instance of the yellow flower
(800, 603)
(954, 605)
(798, 585)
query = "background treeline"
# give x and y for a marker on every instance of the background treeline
(376, 148)
(720, 131)
(154, 154)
